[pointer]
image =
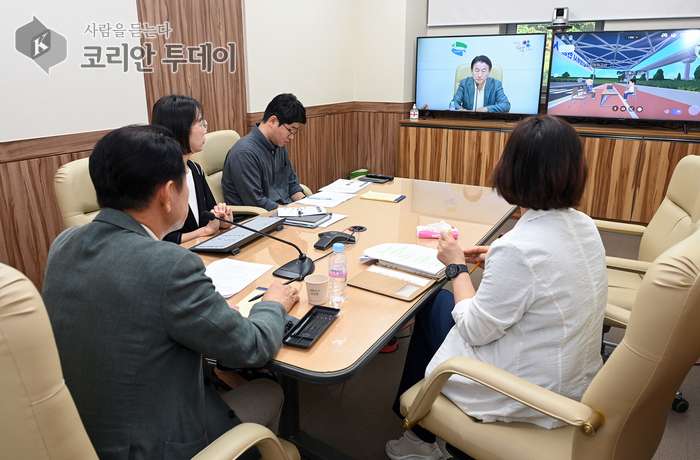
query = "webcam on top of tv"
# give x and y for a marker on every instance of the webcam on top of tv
(560, 19)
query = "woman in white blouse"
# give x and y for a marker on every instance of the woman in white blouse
(539, 310)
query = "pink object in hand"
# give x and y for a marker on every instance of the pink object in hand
(436, 235)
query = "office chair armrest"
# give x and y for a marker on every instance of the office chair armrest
(620, 227)
(237, 440)
(628, 265)
(542, 400)
(616, 316)
(247, 210)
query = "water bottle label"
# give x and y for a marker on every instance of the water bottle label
(338, 272)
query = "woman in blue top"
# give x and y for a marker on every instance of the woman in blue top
(480, 92)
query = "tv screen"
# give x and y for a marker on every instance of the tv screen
(511, 83)
(650, 75)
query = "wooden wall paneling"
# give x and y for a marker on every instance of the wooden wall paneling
(340, 138)
(27, 149)
(472, 156)
(423, 153)
(324, 150)
(341, 146)
(612, 173)
(34, 218)
(658, 161)
(378, 141)
(222, 93)
(505, 135)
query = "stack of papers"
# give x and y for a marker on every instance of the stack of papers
(231, 276)
(326, 199)
(345, 186)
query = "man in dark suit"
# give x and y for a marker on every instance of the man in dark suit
(480, 92)
(132, 315)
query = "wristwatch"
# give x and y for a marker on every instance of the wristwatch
(453, 270)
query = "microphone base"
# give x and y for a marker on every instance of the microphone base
(297, 268)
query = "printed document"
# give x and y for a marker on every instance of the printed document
(231, 276)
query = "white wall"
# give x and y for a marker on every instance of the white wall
(324, 51)
(379, 33)
(345, 50)
(450, 12)
(647, 24)
(69, 99)
(305, 48)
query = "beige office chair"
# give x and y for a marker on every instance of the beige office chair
(578, 95)
(212, 158)
(76, 195)
(623, 412)
(678, 217)
(39, 418)
(465, 71)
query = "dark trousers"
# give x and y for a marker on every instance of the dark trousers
(431, 326)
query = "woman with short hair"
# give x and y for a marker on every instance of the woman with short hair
(538, 313)
(184, 117)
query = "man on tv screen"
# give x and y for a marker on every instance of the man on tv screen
(480, 92)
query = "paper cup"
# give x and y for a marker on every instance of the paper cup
(317, 288)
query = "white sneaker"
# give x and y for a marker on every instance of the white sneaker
(410, 447)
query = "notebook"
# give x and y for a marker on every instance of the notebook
(410, 258)
(306, 221)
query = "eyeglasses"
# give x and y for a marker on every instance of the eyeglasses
(293, 131)
(202, 123)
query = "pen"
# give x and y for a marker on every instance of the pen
(265, 289)
(487, 251)
(318, 198)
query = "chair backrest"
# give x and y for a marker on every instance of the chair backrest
(76, 195)
(679, 212)
(465, 71)
(635, 388)
(212, 158)
(38, 417)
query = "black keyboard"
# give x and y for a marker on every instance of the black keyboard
(236, 237)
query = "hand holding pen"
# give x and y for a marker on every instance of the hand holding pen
(477, 255)
(274, 284)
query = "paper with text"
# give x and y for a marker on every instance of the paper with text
(231, 276)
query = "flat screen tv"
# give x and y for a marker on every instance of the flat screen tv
(442, 63)
(644, 75)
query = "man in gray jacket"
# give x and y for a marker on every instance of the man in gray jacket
(132, 315)
(257, 170)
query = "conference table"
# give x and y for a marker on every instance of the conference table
(605, 95)
(367, 320)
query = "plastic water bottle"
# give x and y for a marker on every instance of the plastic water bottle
(338, 273)
(452, 106)
(414, 113)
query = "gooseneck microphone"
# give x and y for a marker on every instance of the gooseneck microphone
(295, 269)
